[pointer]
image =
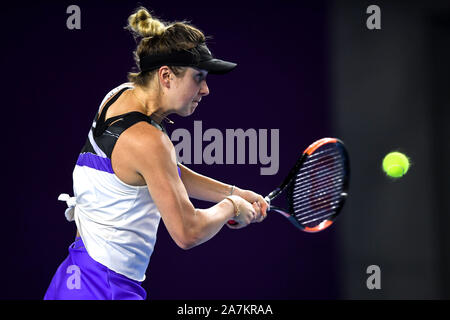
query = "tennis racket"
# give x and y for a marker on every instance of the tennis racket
(316, 187)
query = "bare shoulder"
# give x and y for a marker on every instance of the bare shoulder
(143, 134)
(145, 146)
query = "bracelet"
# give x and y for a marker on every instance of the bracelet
(236, 209)
(232, 190)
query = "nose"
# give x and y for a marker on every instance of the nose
(204, 90)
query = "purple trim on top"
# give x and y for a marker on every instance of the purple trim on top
(95, 162)
(99, 163)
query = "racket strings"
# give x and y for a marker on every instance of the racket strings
(318, 209)
(317, 190)
(326, 193)
(319, 183)
(318, 159)
(318, 220)
(304, 174)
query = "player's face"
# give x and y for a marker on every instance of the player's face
(190, 89)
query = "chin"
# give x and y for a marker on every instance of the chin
(186, 111)
(185, 114)
(190, 111)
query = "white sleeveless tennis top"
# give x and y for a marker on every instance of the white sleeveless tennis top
(117, 222)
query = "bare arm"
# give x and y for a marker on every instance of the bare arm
(204, 188)
(153, 157)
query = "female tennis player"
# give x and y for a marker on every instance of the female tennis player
(127, 176)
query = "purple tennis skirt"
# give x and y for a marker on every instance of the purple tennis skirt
(80, 277)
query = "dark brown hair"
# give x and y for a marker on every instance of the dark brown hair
(160, 38)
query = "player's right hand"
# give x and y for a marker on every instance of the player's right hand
(248, 213)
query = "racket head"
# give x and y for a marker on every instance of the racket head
(318, 185)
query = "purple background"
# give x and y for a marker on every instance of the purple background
(54, 80)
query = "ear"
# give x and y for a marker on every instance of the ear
(165, 76)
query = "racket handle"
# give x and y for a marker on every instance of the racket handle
(268, 201)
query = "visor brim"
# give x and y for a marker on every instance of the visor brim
(217, 66)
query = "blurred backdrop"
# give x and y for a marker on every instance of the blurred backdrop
(307, 69)
(390, 92)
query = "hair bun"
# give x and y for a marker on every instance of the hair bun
(143, 24)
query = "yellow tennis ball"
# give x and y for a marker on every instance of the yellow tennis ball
(395, 164)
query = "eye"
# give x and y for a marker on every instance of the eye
(200, 77)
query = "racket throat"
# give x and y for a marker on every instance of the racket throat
(282, 212)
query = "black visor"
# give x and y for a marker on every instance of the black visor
(187, 58)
